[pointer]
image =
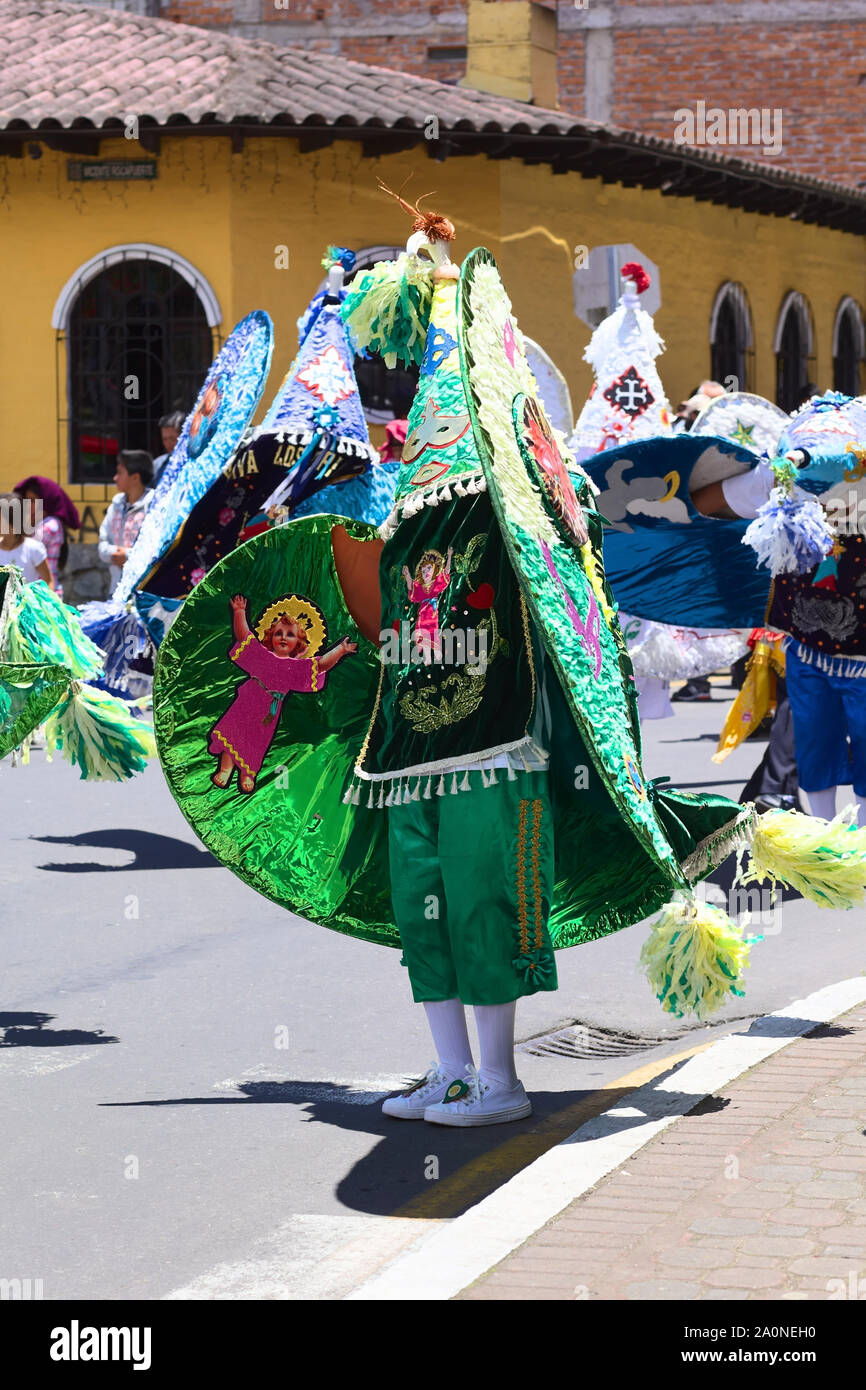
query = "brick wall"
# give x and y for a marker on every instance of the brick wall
(665, 55)
(817, 79)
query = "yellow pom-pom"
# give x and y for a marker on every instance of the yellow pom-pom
(823, 860)
(694, 957)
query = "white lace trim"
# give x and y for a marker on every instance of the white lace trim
(343, 443)
(453, 775)
(464, 485)
(713, 849)
(839, 665)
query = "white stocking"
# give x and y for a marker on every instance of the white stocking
(496, 1037)
(823, 803)
(861, 812)
(447, 1020)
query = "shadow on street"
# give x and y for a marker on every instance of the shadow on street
(149, 851)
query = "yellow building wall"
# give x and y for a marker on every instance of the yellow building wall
(230, 214)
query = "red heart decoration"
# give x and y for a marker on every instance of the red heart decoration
(396, 625)
(482, 598)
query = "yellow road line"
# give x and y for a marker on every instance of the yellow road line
(482, 1175)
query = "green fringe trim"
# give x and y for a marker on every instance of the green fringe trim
(38, 627)
(387, 310)
(97, 733)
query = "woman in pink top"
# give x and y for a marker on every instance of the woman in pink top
(58, 514)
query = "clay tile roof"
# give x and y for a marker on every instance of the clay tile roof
(66, 65)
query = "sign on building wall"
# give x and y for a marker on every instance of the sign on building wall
(111, 169)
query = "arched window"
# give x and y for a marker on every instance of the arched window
(386, 392)
(849, 347)
(137, 326)
(794, 349)
(731, 342)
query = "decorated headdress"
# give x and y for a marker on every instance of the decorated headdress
(826, 425)
(319, 393)
(627, 401)
(338, 262)
(745, 419)
(210, 433)
(311, 454)
(388, 310)
(316, 424)
(820, 447)
(222, 411)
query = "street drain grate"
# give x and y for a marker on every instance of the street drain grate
(581, 1040)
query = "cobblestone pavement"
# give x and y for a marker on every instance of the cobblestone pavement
(758, 1193)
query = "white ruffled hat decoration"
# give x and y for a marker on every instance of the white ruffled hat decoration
(627, 401)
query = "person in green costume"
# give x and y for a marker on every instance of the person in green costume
(458, 752)
(472, 870)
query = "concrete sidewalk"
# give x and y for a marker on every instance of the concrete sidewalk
(758, 1192)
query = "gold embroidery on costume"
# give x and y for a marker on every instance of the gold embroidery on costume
(522, 913)
(359, 762)
(426, 717)
(529, 881)
(472, 556)
(536, 877)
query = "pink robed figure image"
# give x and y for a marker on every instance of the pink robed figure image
(282, 662)
(432, 578)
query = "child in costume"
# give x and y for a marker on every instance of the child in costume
(456, 859)
(280, 660)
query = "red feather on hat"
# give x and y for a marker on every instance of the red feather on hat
(632, 270)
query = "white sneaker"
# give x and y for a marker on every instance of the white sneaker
(411, 1104)
(475, 1102)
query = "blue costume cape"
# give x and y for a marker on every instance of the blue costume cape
(664, 560)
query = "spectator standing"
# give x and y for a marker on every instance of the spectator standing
(126, 511)
(170, 427)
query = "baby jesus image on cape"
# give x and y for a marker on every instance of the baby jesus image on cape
(432, 577)
(280, 657)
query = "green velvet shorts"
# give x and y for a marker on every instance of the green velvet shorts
(471, 883)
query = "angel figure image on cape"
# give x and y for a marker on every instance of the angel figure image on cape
(280, 657)
(432, 577)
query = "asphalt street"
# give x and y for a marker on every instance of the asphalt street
(190, 1078)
